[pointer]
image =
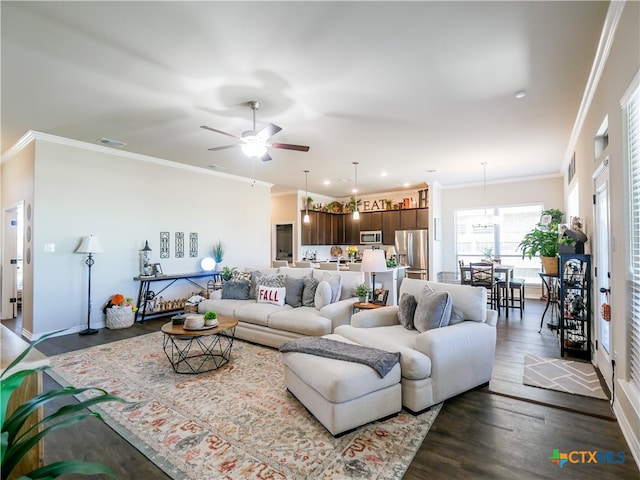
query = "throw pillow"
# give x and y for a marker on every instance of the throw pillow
(255, 277)
(433, 310)
(309, 292)
(272, 281)
(275, 295)
(335, 281)
(406, 310)
(323, 295)
(294, 287)
(235, 290)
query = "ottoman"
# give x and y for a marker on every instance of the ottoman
(341, 395)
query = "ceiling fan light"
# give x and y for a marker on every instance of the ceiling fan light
(254, 149)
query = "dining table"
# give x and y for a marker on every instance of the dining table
(505, 271)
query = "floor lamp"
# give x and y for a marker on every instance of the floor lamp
(373, 261)
(89, 245)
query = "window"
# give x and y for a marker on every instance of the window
(631, 111)
(477, 239)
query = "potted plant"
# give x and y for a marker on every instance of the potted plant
(16, 443)
(218, 251)
(362, 292)
(388, 203)
(543, 241)
(353, 205)
(227, 273)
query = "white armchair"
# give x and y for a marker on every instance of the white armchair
(439, 363)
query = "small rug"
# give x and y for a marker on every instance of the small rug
(238, 422)
(568, 376)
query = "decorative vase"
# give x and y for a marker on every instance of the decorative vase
(363, 299)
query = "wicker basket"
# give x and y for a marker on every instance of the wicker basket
(191, 309)
(120, 317)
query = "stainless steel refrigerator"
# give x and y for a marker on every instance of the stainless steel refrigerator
(412, 247)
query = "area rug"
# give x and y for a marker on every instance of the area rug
(568, 376)
(238, 422)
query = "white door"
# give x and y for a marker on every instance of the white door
(602, 279)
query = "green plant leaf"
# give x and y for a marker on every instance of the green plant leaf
(70, 466)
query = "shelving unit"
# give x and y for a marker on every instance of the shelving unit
(575, 305)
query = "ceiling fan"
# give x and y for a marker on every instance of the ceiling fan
(254, 143)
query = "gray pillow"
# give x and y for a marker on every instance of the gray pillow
(433, 310)
(335, 281)
(309, 291)
(406, 310)
(255, 285)
(235, 290)
(294, 287)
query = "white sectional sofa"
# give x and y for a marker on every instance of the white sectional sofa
(272, 325)
(439, 363)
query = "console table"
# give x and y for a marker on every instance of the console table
(145, 288)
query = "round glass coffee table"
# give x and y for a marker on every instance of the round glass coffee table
(199, 351)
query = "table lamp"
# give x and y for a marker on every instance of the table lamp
(373, 261)
(89, 245)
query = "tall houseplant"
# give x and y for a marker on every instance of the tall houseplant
(15, 444)
(543, 241)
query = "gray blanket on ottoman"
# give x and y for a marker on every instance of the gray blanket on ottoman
(381, 361)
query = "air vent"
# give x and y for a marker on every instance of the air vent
(111, 143)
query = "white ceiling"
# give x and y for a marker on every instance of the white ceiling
(401, 87)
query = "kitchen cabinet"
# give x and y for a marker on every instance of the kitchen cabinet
(327, 228)
(390, 223)
(575, 305)
(351, 230)
(422, 218)
(309, 230)
(337, 230)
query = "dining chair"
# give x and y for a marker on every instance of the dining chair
(483, 275)
(329, 265)
(302, 264)
(354, 267)
(465, 277)
(279, 263)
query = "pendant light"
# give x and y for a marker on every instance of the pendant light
(487, 220)
(356, 213)
(306, 197)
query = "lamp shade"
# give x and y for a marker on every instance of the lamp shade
(373, 261)
(146, 248)
(391, 251)
(90, 244)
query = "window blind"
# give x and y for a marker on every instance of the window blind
(632, 122)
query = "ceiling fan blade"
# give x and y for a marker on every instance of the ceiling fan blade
(266, 157)
(268, 132)
(288, 146)
(224, 147)
(219, 131)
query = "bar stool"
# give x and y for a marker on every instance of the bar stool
(516, 284)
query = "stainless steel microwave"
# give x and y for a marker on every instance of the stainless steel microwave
(371, 237)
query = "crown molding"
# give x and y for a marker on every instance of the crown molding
(599, 62)
(33, 135)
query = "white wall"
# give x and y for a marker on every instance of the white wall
(621, 66)
(548, 190)
(125, 200)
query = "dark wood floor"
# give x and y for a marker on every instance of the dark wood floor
(505, 430)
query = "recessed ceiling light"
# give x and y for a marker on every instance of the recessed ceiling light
(431, 170)
(327, 182)
(406, 184)
(383, 174)
(111, 143)
(521, 94)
